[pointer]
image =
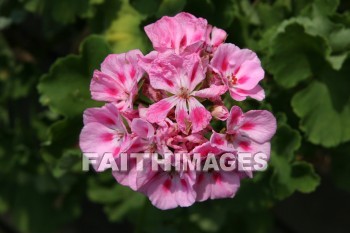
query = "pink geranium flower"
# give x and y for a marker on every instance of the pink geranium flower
(183, 32)
(249, 132)
(240, 70)
(103, 132)
(183, 79)
(117, 81)
(180, 76)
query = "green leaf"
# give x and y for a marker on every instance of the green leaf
(303, 177)
(38, 212)
(285, 142)
(148, 7)
(125, 33)
(105, 13)
(64, 11)
(270, 15)
(288, 178)
(324, 108)
(289, 175)
(170, 7)
(208, 9)
(291, 54)
(327, 7)
(118, 200)
(65, 89)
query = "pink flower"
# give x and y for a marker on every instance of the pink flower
(189, 71)
(180, 76)
(183, 32)
(240, 70)
(103, 132)
(117, 81)
(214, 184)
(249, 132)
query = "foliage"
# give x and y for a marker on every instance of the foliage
(304, 47)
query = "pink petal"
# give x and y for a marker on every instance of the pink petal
(159, 190)
(223, 60)
(123, 67)
(215, 185)
(218, 36)
(259, 125)
(105, 88)
(185, 195)
(256, 93)
(206, 148)
(203, 186)
(238, 95)
(249, 75)
(243, 144)
(211, 93)
(176, 32)
(194, 71)
(167, 192)
(181, 115)
(127, 178)
(97, 138)
(146, 61)
(234, 119)
(219, 140)
(224, 184)
(165, 71)
(200, 117)
(139, 145)
(142, 128)
(157, 112)
(107, 115)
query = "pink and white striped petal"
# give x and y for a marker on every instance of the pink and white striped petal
(234, 119)
(168, 192)
(157, 112)
(250, 73)
(259, 125)
(107, 115)
(215, 185)
(212, 92)
(182, 117)
(219, 140)
(142, 128)
(199, 115)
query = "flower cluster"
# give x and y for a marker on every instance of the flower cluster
(164, 102)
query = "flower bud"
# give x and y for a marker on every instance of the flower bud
(220, 112)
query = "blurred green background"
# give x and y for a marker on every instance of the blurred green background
(48, 50)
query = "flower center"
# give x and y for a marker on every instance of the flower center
(232, 79)
(184, 93)
(230, 137)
